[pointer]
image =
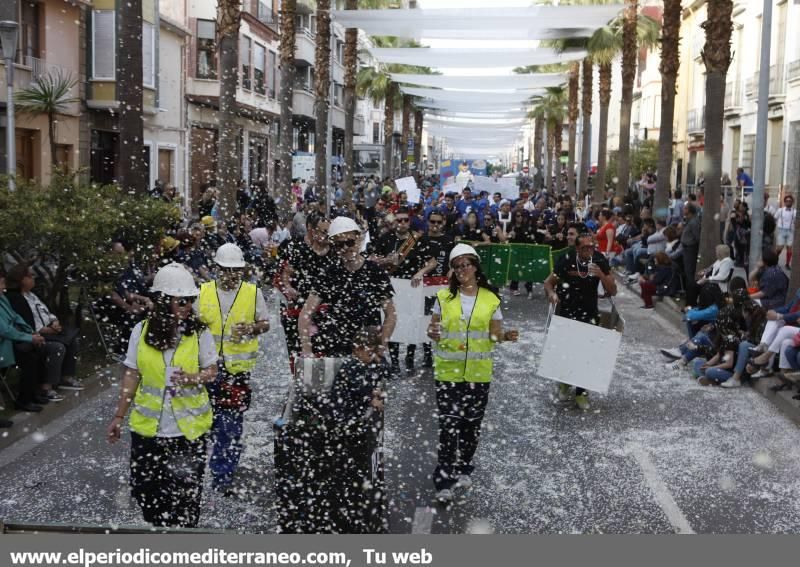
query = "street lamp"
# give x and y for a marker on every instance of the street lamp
(8, 37)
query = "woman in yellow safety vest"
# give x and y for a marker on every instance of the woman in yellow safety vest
(171, 356)
(465, 324)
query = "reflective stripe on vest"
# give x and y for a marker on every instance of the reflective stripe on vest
(237, 357)
(189, 404)
(464, 353)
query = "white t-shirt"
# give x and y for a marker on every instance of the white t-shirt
(167, 425)
(467, 305)
(785, 217)
(41, 314)
(226, 299)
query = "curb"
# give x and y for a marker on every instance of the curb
(671, 311)
(26, 423)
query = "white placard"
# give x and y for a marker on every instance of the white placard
(408, 186)
(507, 187)
(579, 354)
(411, 322)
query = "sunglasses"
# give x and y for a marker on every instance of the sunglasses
(184, 301)
(404, 220)
(229, 270)
(462, 266)
(342, 244)
(435, 222)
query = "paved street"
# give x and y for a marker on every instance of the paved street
(658, 454)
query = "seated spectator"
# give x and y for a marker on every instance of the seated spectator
(755, 320)
(635, 255)
(659, 282)
(719, 368)
(61, 344)
(720, 271)
(709, 302)
(20, 345)
(772, 283)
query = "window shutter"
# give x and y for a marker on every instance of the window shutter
(103, 45)
(148, 55)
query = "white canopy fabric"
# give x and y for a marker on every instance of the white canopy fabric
(475, 107)
(468, 96)
(495, 124)
(474, 57)
(466, 82)
(532, 22)
(500, 115)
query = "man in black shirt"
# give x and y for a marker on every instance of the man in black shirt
(405, 259)
(573, 287)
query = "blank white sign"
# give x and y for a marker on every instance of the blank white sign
(579, 354)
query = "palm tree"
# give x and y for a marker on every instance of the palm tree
(378, 86)
(132, 165)
(406, 133)
(50, 95)
(629, 54)
(572, 115)
(418, 120)
(551, 109)
(286, 96)
(716, 56)
(587, 70)
(538, 141)
(670, 63)
(350, 76)
(229, 13)
(322, 90)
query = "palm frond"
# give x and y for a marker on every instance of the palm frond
(48, 94)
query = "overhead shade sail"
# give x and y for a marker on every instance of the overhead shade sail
(531, 22)
(512, 130)
(450, 122)
(475, 57)
(466, 82)
(468, 96)
(434, 113)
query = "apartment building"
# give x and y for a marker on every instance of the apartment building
(49, 41)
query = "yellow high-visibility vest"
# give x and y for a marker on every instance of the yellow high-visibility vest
(190, 404)
(237, 357)
(464, 353)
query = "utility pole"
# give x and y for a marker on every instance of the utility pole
(760, 156)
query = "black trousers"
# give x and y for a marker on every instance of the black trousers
(461, 407)
(31, 371)
(167, 478)
(689, 271)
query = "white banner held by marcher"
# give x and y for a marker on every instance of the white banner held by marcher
(408, 186)
(506, 186)
(411, 323)
(579, 354)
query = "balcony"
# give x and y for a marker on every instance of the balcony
(793, 71)
(751, 87)
(733, 95)
(777, 85)
(696, 120)
(359, 125)
(263, 12)
(303, 102)
(305, 45)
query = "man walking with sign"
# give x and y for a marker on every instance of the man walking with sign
(573, 286)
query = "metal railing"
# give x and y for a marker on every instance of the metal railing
(777, 86)
(751, 87)
(264, 14)
(733, 95)
(696, 119)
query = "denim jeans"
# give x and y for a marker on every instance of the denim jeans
(226, 436)
(699, 339)
(792, 355)
(742, 357)
(718, 375)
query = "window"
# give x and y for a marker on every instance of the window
(245, 55)
(166, 165)
(206, 49)
(259, 62)
(29, 32)
(103, 45)
(272, 74)
(338, 94)
(376, 133)
(295, 138)
(265, 13)
(148, 55)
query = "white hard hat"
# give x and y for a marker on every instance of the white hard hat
(462, 250)
(340, 225)
(175, 280)
(229, 256)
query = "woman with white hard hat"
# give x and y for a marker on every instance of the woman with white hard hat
(171, 356)
(357, 292)
(465, 324)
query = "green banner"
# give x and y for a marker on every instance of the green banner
(503, 263)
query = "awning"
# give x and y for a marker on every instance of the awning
(474, 57)
(469, 96)
(466, 82)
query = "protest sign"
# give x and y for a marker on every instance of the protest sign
(408, 186)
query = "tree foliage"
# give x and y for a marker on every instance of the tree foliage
(644, 157)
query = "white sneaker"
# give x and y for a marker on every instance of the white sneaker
(516, 292)
(633, 278)
(672, 352)
(444, 495)
(464, 481)
(530, 295)
(762, 373)
(731, 383)
(677, 365)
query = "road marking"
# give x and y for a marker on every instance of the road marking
(423, 519)
(660, 491)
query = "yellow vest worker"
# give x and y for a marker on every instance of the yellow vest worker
(237, 356)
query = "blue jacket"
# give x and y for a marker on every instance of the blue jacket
(13, 328)
(707, 314)
(786, 310)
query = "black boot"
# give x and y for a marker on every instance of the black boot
(394, 354)
(428, 360)
(410, 351)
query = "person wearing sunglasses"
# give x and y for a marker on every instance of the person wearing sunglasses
(784, 238)
(171, 357)
(236, 314)
(572, 286)
(466, 322)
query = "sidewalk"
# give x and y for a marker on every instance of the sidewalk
(26, 423)
(671, 310)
